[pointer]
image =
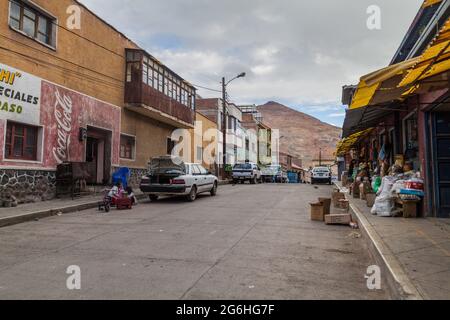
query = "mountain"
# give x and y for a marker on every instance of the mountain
(303, 135)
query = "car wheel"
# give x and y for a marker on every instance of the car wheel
(192, 195)
(214, 190)
(153, 197)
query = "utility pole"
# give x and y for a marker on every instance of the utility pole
(224, 120)
(320, 157)
(224, 126)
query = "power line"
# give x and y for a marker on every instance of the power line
(81, 76)
(206, 88)
(56, 57)
(53, 22)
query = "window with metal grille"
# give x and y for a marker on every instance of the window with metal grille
(21, 142)
(127, 145)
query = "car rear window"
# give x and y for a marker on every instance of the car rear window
(321, 170)
(243, 166)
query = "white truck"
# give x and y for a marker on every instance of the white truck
(247, 172)
(318, 175)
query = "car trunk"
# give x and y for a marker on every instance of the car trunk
(163, 170)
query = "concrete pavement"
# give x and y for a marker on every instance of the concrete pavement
(414, 252)
(249, 242)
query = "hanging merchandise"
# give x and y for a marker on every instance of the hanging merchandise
(382, 154)
(376, 184)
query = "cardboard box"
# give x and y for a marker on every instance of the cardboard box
(343, 204)
(317, 213)
(336, 196)
(345, 218)
(326, 205)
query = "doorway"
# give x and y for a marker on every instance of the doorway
(98, 155)
(441, 152)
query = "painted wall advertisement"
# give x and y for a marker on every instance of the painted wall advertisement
(64, 112)
(20, 95)
(59, 112)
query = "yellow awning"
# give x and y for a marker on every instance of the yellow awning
(345, 145)
(428, 3)
(375, 85)
(433, 61)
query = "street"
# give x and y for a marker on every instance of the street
(248, 242)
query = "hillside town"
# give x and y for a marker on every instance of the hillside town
(100, 140)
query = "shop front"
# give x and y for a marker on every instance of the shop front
(42, 125)
(439, 158)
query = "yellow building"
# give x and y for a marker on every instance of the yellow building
(204, 142)
(85, 92)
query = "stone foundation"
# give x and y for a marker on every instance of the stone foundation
(26, 186)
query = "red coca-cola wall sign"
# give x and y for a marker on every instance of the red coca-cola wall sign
(63, 113)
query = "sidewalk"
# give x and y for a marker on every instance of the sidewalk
(32, 211)
(414, 252)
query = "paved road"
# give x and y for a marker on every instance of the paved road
(249, 242)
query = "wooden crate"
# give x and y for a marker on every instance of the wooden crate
(370, 199)
(326, 205)
(317, 213)
(344, 219)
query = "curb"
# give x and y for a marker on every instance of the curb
(398, 281)
(224, 182)
(25, 217)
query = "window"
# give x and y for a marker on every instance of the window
(145, 73)
(199, 153)
(202, 170)
(127, 146)
(192, 101)
(161, 82)
(32, 22)
(21, 142)
(195, 170)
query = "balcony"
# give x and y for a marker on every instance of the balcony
(155, 91)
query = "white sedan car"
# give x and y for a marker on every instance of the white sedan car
(169, 176)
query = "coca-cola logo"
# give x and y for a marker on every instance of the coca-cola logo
(63, 118)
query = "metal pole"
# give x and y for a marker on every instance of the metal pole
(224, 126)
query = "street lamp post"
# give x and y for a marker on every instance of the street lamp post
(224, 119)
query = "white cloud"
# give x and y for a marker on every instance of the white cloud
(262, 69)
(297, 51)
(337, 115)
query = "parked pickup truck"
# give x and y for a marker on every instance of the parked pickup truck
(318, 174)
(246, 172)
(170, 176)
(274, 173)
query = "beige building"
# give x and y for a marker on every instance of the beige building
(205, 142)
(86, 93)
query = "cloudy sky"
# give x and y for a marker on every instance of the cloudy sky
(297, 52)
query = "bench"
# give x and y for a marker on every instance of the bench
(409, 207)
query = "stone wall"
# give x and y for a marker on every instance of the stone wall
(25, 186)
(135, 176)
